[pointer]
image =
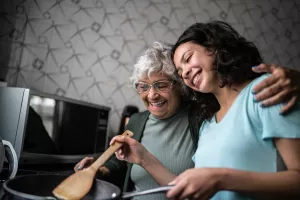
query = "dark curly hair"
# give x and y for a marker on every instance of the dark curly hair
(234, 58)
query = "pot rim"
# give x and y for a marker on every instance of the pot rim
(25, 195)
(7, 189)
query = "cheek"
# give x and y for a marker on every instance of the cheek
(143, 97)
(187, 83)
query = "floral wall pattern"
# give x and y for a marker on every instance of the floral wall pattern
(84, 49)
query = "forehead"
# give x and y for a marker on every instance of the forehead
(181, 50)
(155, 76)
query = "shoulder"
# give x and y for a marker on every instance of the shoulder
(247, 98)
(137, 121)
(139, 116)
(254, 82)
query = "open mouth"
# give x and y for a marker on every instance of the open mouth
(196, 80)
(157, 104)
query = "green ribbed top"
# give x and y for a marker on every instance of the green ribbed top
(169, 140)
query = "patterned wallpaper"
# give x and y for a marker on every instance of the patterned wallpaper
(84, 49)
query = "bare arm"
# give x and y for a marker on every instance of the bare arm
(134, 152)
(284, 184)
(156, 169)
(205, 182)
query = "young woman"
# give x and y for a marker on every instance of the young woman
(245, 151)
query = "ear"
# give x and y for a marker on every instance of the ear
(210, 52)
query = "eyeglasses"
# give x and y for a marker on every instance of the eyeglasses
(159, 86)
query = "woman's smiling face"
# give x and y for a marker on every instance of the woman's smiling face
(161, 104)
(194, 64)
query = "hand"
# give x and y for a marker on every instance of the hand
(132, 151)
(283, 85)
(84, 163)
(196, 183)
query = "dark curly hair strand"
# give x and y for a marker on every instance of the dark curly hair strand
(234, 59)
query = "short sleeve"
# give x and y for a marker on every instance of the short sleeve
(275, 125)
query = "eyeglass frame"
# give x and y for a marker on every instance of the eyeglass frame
(172, 83)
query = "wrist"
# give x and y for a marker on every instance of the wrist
(147, 160)
(222, 178)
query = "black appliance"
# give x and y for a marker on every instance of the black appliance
(50, 129)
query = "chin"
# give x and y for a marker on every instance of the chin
(158, 116)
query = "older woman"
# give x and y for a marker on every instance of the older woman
(164, 129)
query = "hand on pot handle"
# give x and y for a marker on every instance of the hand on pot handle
(12, 158)
(132, 151)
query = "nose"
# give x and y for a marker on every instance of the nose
(152, 93)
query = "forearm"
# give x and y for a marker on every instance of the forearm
(156, 169)
(280, 184)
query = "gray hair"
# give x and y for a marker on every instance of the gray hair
(157, 59)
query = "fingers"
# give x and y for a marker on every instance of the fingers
(264, 84)
(120, 154)
(83, 163)
(289, 105)
(122, 139)
(173, 182)
(264, 68)
(275, 94)
(277, 88)
(176, 190)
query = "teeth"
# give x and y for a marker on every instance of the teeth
(157, 103)
(196, 79)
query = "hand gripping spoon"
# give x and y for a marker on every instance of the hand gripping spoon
(77, 185)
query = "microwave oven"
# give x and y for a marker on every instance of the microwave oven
(45, 128)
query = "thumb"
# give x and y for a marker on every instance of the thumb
(173, 182)
(264, 68)
(122, 139)
(129, 141)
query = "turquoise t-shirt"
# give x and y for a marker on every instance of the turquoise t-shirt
(243, 138)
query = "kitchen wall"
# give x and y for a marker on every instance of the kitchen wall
(84, 49)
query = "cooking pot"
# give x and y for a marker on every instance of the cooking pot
(7, 151)
(39, 187)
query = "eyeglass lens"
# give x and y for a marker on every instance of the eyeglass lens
(160, 86)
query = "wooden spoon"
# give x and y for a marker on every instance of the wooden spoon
(79, 184)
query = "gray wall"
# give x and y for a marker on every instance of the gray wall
(84, 49)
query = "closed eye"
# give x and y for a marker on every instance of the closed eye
(188, 58)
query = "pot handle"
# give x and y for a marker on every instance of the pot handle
(150, 191)
(12, 158)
